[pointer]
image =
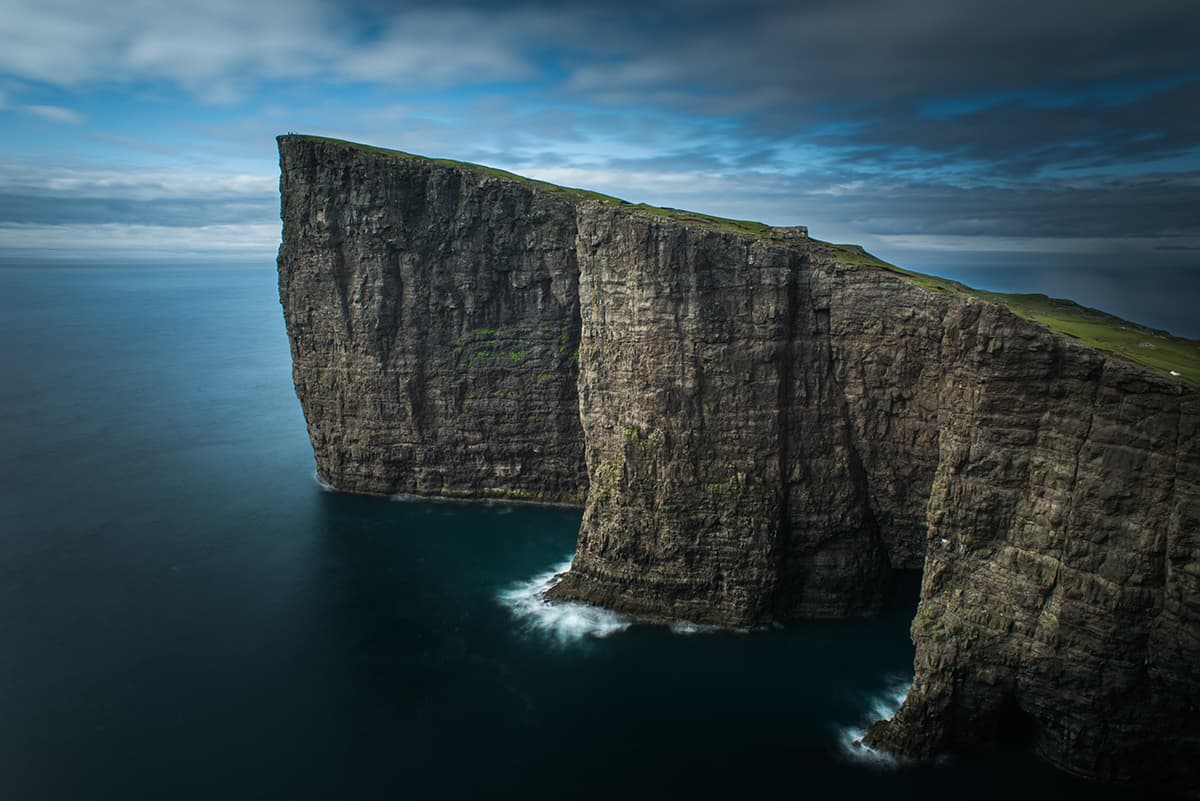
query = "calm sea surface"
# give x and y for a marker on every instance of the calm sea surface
(185, 614)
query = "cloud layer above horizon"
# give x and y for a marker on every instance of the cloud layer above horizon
(1017, 140)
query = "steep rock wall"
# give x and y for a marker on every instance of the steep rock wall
(433, 314)
(722, 488)
(886, 337)
(1062, 576)
(759, 422)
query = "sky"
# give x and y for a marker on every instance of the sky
(1047, 146)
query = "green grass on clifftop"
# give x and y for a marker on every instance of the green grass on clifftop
(744, 227)
(1173, 356)
(1152, 348)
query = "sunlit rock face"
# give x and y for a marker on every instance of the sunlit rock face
(760, 427)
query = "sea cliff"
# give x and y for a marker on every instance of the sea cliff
(433, 314)
(760, 426)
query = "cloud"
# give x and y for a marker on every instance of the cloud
(69, 210)
(66, 43)
(54, 113)
(45, 198)
(870, 51)
(46, 112)
(982, 91)
(937, 133)
(254, 243)
(710, 56)
(221, 49)
(141, 185)
(1013, 141)
(1033, 85)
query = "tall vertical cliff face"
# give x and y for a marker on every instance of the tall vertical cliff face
(761, 425)
(433, 313)
(886, 337)
(722, 487)
(1062, 575)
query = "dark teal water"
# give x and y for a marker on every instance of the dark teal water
(184, 614)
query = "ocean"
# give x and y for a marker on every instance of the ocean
(186, 614)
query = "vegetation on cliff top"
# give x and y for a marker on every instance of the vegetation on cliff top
(1158, 350)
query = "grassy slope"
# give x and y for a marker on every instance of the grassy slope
(1154, 349)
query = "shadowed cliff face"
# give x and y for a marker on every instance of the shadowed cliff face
(433, 315)
(1062, 576)
(723, 488)
(759, 430)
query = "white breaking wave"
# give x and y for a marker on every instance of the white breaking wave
(322, 483)
(882, 707)
(563, 622)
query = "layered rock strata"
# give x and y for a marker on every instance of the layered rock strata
(433, 314)
(724, 485)
(758, 426)
(1061, 590)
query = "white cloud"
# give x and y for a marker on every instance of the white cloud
(142, 184)
(140, 242)
(68, 43)
(216, 48)
(54, 113)
(442, 47)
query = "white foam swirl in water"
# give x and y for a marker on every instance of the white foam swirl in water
(882, 706)
(563, 622)
(325, 485)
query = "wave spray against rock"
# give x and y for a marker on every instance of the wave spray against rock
(563, 623)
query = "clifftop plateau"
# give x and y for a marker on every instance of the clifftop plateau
(761, 426)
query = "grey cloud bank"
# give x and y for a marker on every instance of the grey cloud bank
(1005, 141)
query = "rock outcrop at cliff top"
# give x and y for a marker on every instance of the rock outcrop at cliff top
(759, 426)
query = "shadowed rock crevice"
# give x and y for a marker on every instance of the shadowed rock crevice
(758, 429)
(784, 591)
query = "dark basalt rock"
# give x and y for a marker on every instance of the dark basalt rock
(757, 429)
(723, 485)
(434, 317)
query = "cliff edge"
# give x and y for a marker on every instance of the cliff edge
(760, 426)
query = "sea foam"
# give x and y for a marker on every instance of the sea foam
(881, 706)
(562, 622)
(685, 628)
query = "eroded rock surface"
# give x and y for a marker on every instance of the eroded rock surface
(433, 314)
(1062, 577)
(759, 426)
(723, 487)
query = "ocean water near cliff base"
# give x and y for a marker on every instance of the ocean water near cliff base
(186, 614)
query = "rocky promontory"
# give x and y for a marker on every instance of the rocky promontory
(434, 320)
(760, 426)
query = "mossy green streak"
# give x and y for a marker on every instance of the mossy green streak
(1177, 357)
